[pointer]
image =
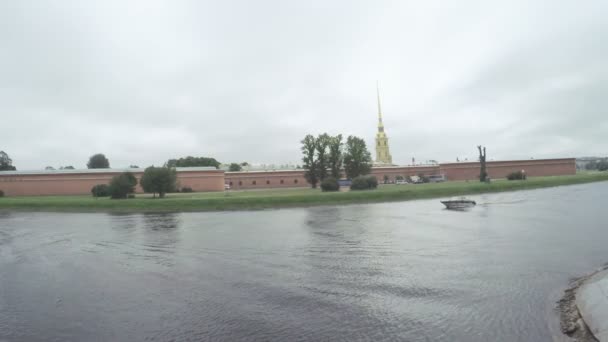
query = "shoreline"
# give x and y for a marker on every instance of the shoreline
(571, 322)
(285, 198)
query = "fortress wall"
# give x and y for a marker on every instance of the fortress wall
(500, 169)
(80, 183)
(266, 179)
(393, 171)
(52, 184)
(211, 180)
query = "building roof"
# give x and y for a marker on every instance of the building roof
(265, 171)
(92, 171)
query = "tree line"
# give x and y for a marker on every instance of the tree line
(600, 165)
(325, 156)
(100, 161)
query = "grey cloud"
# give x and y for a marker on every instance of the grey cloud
(146, 81)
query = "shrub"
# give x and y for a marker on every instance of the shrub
(122, 185)
(187, 189)
(518, 175)
(359, 183)
(330, 184)
(364, 183)
(100, 190)
(1, 193)
(372, 182)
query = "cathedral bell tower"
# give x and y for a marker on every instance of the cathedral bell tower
(383, 154)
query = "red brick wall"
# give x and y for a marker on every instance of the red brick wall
(500, 169)
(272, 179)
(201, 180)
(213, 180)
(393, 171)
(266, 179)
(81, 183)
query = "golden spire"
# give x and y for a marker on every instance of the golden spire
(379, 107)
(380, 124)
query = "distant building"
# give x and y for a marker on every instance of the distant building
(383, 154)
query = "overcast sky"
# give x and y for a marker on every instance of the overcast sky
(146, 81)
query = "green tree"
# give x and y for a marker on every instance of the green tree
(335, 156)
(357, 159)
(133, 167)
(69, 167)
(311, 164)
(98, 161)
(159, 180)
(321, 145)
(234, 167)
(190, 161)
(49, 168)
(122, 185)
(6, 163)
(592, 165)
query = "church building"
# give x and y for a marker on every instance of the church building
(383, 154)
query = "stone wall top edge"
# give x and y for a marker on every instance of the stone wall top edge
(96, 172)
(533, 161)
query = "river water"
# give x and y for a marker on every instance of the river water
(407, 271)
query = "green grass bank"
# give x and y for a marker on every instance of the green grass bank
(285, 198)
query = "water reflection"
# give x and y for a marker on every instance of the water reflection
(152, 236)
(124, 222)
(161, 236)
(337, 225)
(343, 248)
(161, 221)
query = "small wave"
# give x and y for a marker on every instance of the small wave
(54, 242)
(503, 202)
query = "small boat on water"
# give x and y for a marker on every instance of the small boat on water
(462, 203)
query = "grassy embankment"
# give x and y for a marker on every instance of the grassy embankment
(281, 198)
